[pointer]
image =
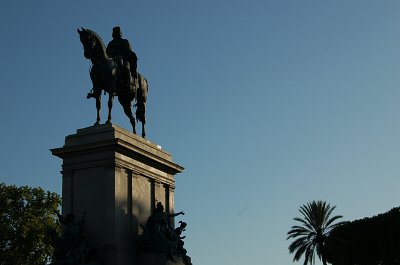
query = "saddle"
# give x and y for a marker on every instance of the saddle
(127, 82)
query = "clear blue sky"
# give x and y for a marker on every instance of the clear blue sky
(267, 104)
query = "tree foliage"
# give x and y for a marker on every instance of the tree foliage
(310, 235)
(368, 241)
(26, 216)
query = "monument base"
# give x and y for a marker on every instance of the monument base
(115, 177)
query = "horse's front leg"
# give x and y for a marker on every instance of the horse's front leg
(98, 108)
(110, 105)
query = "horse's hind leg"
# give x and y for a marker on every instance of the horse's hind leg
(127, 106)
(128, 112)
(141, 116)
(143, 130)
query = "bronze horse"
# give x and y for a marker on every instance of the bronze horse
(107, 75)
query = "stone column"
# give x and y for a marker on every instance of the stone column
(115, 177)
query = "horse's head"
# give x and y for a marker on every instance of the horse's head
(88, 42)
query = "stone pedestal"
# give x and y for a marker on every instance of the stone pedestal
(115, 177)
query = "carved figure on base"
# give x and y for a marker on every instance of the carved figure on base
(70, 243)
(178, 240)
(159, 237)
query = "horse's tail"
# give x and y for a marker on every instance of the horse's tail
(141, 98)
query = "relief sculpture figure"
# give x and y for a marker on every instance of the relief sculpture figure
(159, 237)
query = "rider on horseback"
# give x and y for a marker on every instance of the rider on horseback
(115, 80)
(126, 58)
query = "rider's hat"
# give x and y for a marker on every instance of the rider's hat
(117, 31)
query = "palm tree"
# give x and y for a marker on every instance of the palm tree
(311, 234)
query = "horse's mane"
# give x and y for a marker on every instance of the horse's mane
(100, 41)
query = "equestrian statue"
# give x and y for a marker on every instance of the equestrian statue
(114, 71)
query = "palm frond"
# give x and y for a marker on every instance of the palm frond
(304, 222)
(333, 219)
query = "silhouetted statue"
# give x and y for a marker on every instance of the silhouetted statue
(114, 75)
(70, 244)
(159, 237)
(177, 238)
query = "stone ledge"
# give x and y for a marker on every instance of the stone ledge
(110, 131)
(107, 137)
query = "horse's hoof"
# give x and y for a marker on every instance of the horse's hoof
(108, 122)
(97, 123)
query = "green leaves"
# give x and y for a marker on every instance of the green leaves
(26, 215)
